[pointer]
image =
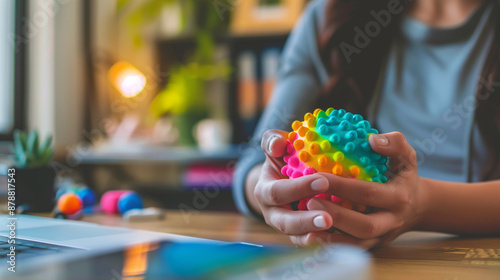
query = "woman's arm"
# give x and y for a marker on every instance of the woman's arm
(250, 183)
(463, 208)
(296, 92)
(406, 202)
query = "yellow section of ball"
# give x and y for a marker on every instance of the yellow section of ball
(329, 111)
(316, 112)
(308, 116)
(338, 156)
(311, 135)
(311, 123)
(326, 146)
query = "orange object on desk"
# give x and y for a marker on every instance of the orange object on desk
(69, 203)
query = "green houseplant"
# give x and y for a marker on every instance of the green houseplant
(34, 175)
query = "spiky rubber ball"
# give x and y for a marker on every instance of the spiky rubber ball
(336, 142)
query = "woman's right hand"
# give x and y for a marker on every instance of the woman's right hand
(273, 193)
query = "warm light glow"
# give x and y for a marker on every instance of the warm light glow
(127, 79)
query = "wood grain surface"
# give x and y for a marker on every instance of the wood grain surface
(414, 255)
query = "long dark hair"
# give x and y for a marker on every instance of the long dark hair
(353, 77)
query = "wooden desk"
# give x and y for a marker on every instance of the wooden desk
(414, 255)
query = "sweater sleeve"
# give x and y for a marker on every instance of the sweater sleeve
(297, 89)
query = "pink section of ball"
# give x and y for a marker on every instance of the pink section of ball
(296, 168)
(294, 162)
(323, 196)
(284, 169)
(336, 199)
(309, 171)
(109, 201)
(289, 148)
(303, 204)
(286, 158)
(296, 174)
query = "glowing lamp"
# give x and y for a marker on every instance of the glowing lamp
(127, 79)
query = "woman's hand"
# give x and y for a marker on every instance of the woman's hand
(273, 194)
(398, 203)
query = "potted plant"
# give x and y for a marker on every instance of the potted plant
(34, 176)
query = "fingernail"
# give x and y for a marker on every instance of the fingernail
(271, 143)
(320, 184)
(315, 205)
(319, 222)
(380, 140)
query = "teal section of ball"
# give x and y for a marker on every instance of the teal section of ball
(348, 133)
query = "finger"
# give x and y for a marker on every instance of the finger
(271, 170)
(354, 223)
(297, 222)
(395, 146)
(322, 238)
(274, 143)
(283, 191)
(367, 193)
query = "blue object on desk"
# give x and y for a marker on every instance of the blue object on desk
(87, 196)
(129, 201)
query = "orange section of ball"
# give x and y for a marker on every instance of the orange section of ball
(302, 131)
(304, 156)
(298, 144)
(355, 171)
(314, 148)
(69, 203)
(296, 125)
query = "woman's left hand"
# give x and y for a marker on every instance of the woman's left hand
(398, 203)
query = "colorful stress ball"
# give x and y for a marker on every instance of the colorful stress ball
(336, 142)
(114, 202)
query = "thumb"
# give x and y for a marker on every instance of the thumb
(395, 146)
(274, 142)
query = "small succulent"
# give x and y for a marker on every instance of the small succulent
(29, 151)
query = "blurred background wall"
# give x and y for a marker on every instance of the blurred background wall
(55, 73)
